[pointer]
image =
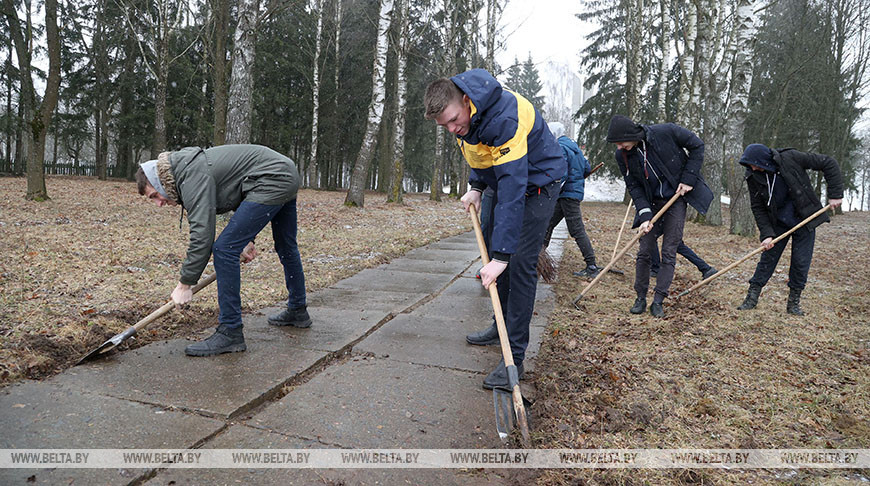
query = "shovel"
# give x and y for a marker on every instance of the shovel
(117, 339)
(753, 252)
(508, 413)
(625, 248)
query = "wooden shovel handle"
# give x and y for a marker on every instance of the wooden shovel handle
(627, 246)
(169, 305)
(621, 228)
(502, 328)
(753, 252)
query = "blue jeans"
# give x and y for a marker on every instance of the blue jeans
(248, 220)
(518, 283)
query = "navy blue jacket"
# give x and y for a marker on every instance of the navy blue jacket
(578, 170)
(509, 149)
(676, 154)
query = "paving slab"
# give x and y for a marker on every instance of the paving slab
(220, 385)
(391, 281)
(452, 267)
(332, 329)
(468, 255)
(39, 415)
(471, 287)
(364, 300)
(475, 311)
(369, 403)
(462, 237)
(243, 437)
(431, 341)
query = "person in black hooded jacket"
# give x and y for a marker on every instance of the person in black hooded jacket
(781, 196)
(658, 161)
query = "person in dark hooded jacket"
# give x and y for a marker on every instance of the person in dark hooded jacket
(781, 196)
(658, 161)
(568, 205)
(510, 149)
(257, 183)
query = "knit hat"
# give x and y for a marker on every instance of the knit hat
(758, 155)
(556, 128)
(623, 129)
(159, 175)
(150, 170)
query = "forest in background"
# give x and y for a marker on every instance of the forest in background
(94, 87)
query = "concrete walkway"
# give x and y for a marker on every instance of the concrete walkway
(385, 365)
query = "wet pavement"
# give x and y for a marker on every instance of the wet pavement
(385, 365)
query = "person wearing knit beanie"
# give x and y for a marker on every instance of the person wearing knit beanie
(260, 186)
(657, 163)
(782, 195)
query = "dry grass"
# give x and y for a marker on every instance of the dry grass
(97, 257)
(709, 376)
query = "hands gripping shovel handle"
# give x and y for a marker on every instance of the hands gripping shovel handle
(513, 377)
(754, 252)
(121, 337)
(625, 249)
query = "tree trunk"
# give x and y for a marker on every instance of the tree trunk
(9, 159)
(742, 221)
(101, 114)
(356, 191)
(435, 188)
(242, 79)
(37, 119)
(633, 52)
(221, 10)
(491, 20)
(687, 66)
(398, 175)
(315, 94)
(662, 90)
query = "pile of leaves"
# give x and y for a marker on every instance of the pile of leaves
(708, 375)
(98, 257)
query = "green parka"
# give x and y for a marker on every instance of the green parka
(216, 180)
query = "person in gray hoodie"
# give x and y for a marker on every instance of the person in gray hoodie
(260, 185)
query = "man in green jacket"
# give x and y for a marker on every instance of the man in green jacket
(257, 183)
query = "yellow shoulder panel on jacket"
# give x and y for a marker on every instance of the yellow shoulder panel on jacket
(481, 156)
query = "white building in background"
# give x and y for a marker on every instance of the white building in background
(564, 94)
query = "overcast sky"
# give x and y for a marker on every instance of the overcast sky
(549, 29)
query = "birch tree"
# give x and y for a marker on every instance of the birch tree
(315, 95)
(395, 194)
(240, 101)
(688, 34)
(633, 53)
(37, 115)
(665, 46)
(221, 9)
(356, 191)
(742, 221)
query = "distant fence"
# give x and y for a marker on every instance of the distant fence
(71, 169)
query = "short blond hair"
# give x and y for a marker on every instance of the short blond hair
(439, 94)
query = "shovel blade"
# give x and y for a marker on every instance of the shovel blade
(505, 415)
(107, 346)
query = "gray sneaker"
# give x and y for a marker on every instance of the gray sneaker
(224, 340)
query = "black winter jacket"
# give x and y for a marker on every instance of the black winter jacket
(792, 166)
(681, 152)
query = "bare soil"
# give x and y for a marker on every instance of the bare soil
(97, 257)
(708, 375)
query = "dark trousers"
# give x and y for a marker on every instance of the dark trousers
(802, 243)
(685, 251)
(569, 209)
(487, 203)
(518, 283)
(672, 223)
(248, 220)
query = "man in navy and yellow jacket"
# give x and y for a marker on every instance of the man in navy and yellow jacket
(510, 149)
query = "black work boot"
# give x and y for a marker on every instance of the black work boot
(297, 317)
(657, 309)
(224, 340)
(639, 306)
(498, 378)
(484, 338)
(751, 299)
(793, 306)
(590, 271)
